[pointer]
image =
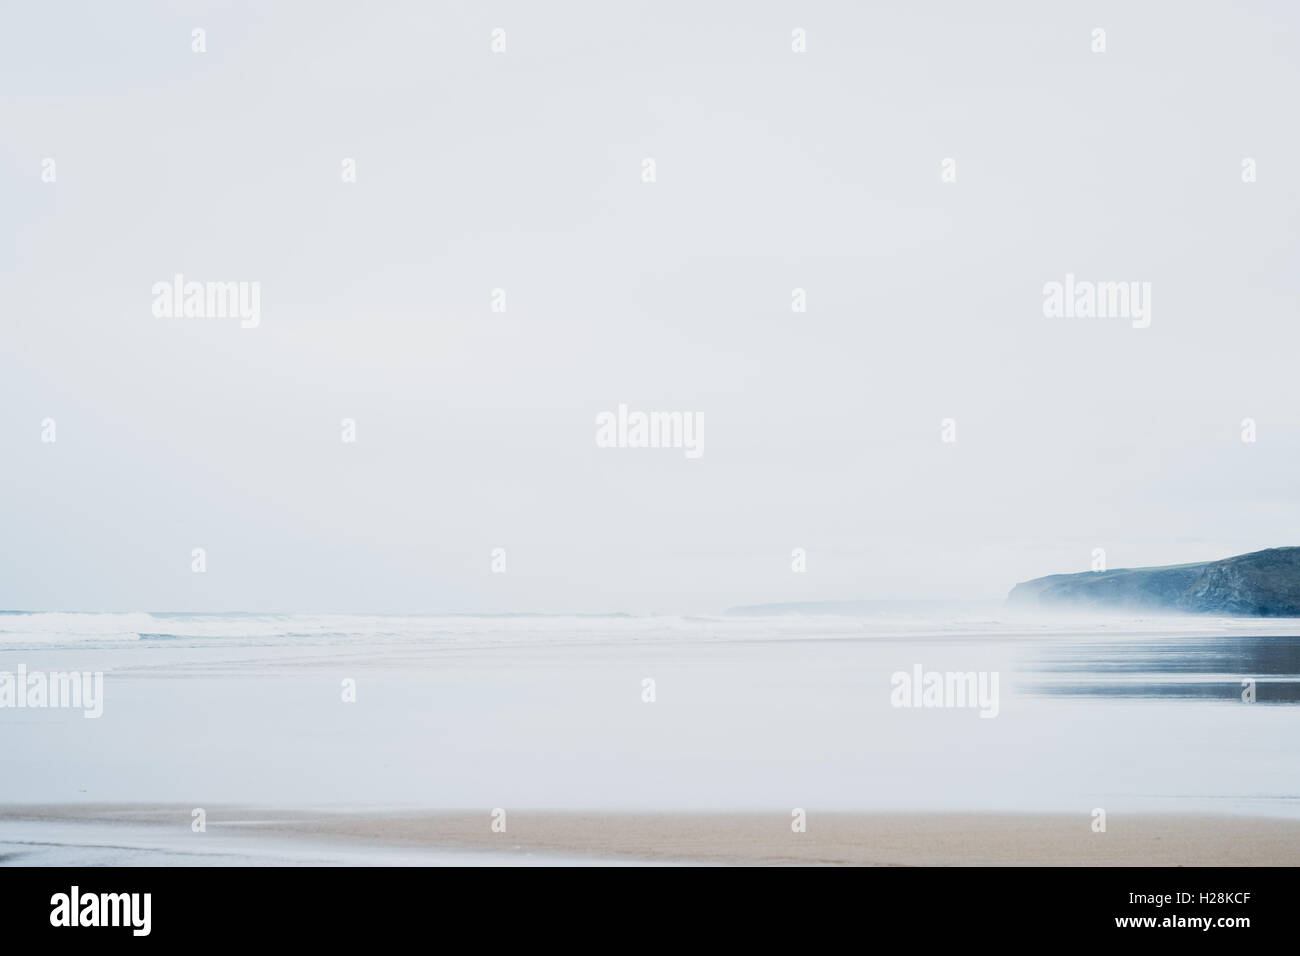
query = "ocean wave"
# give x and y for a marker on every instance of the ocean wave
(76, 629)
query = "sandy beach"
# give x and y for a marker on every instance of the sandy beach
(751, 718)
(831, 839)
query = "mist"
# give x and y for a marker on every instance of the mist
(476, 481)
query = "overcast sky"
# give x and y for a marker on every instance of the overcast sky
(522, 170)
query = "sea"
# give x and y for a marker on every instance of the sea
(920, 708)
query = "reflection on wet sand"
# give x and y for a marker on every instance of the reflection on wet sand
(1212, 668)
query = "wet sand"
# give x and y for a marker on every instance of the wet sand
(836, 839)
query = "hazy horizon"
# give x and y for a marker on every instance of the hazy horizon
(914, 602)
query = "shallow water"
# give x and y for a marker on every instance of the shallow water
(41, 843)
(1173, 666)
(748, 713)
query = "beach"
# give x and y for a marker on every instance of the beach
(251, 836)
(937, 738)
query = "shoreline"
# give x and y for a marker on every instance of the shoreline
(739, 838)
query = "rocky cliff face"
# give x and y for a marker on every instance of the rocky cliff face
(1263, 583)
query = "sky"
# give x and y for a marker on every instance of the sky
(523, 170)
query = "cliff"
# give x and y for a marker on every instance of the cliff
(1263, 583)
